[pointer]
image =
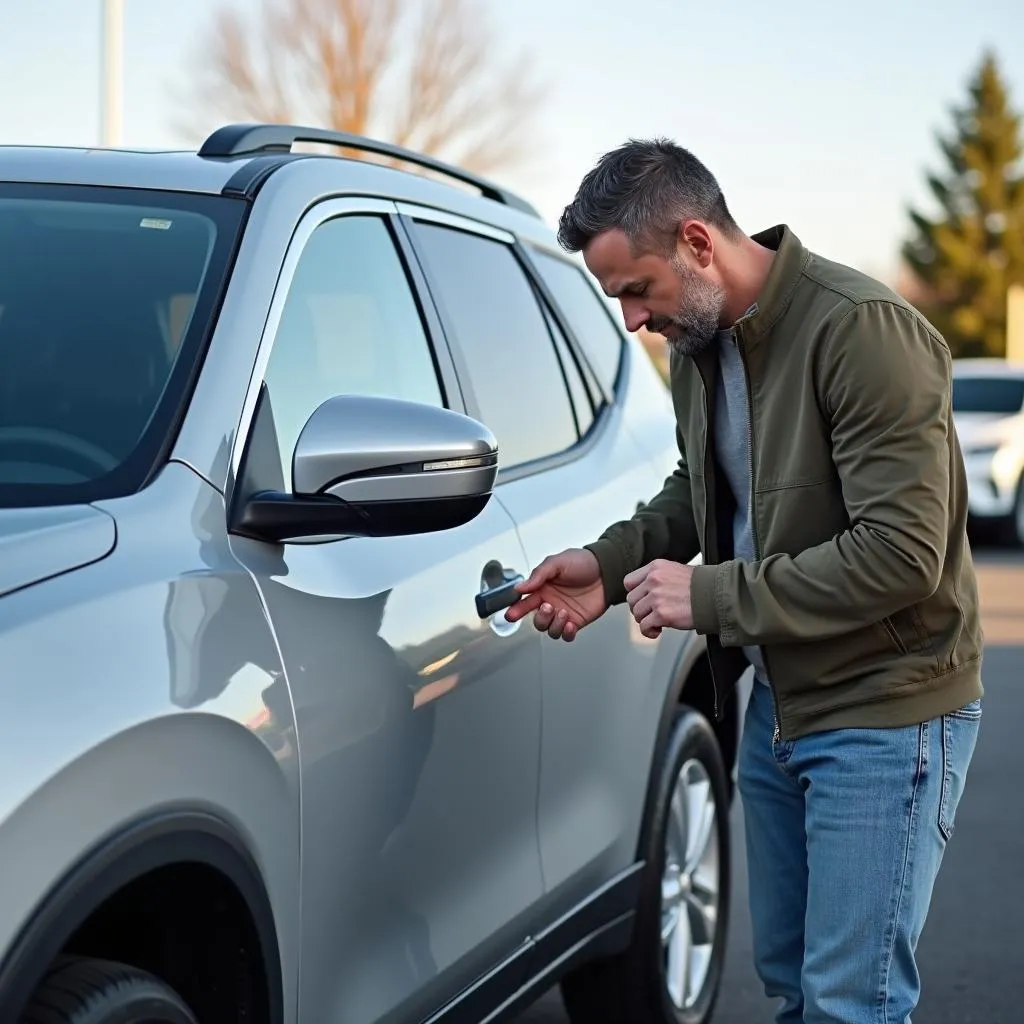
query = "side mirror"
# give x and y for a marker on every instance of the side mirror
(378, 467)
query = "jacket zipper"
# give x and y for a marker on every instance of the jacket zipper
(707, 480)
(776, 715)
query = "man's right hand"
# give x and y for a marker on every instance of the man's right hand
(566, 593)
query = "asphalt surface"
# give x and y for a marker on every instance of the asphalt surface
(971, 955)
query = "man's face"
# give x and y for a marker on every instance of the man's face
(675, 295)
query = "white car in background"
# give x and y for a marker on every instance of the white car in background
(988, 409)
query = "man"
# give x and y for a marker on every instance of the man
(820, 476)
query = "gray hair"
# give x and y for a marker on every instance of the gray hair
(645, 188)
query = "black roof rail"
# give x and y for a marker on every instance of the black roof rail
(243, 139)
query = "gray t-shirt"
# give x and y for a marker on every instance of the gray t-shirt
(732, 446)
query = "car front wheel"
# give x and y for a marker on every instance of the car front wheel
(672, 971)
(82, 991)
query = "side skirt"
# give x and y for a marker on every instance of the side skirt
(600, 926)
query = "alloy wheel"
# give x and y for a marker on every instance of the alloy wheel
(689, 885)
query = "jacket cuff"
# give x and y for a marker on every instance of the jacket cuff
(704, 599)
(613, 569)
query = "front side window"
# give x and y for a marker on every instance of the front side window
(106, 300)
(514, 370)
(350, 326)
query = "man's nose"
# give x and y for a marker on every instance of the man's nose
(634, 317)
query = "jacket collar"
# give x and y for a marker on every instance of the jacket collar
(783, 277)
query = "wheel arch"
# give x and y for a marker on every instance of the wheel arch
(691, 686)
(172, 836)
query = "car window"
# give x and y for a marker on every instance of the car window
(589, 319)
(997, 395)
(581, 398)
(350, 325)
(106, 298)
(513, 368)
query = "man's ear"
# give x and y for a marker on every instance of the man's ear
(695, 238)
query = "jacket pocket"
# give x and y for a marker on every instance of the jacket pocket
(908, 634)
(889, 627)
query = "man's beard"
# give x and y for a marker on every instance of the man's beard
(700, 314)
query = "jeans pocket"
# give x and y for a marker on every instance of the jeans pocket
(959, 737)
(971, 712)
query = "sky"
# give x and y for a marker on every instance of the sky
(820, 115)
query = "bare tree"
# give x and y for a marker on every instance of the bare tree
(420, 73)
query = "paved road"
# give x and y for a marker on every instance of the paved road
(971, 955)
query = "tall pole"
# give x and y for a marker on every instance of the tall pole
(113, 72)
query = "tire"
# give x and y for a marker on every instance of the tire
(634, 986)
(81, 991)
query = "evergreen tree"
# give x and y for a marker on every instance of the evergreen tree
(967, 257)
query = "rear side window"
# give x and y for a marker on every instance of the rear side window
(590, 321)
(581, 399)
(514, 370)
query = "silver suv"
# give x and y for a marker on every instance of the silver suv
(278, 433)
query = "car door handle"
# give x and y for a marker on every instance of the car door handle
(498, 589)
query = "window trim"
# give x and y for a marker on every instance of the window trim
(528, 255)
(409, 214)
(560, 342)
(414, 212)
(318, 215)
(600, 394)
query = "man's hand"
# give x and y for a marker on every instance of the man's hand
(566, 593)
(659, 597)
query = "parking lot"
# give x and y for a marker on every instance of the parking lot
(970, 951)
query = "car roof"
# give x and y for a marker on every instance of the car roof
(166, 170)
(988, 367)
(235, 159)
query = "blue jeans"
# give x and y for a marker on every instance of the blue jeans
(845, 833)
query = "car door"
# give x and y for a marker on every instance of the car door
(568, 469)
(418, 724)
(603, 695)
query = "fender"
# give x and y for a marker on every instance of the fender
(685, 661)
(170, 837)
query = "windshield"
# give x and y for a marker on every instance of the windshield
(999, 395)
(106, 299)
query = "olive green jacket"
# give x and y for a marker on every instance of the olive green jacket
(863, 596)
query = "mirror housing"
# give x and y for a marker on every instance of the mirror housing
(378, 467)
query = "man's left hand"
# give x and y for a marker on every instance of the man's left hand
(659, 597)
